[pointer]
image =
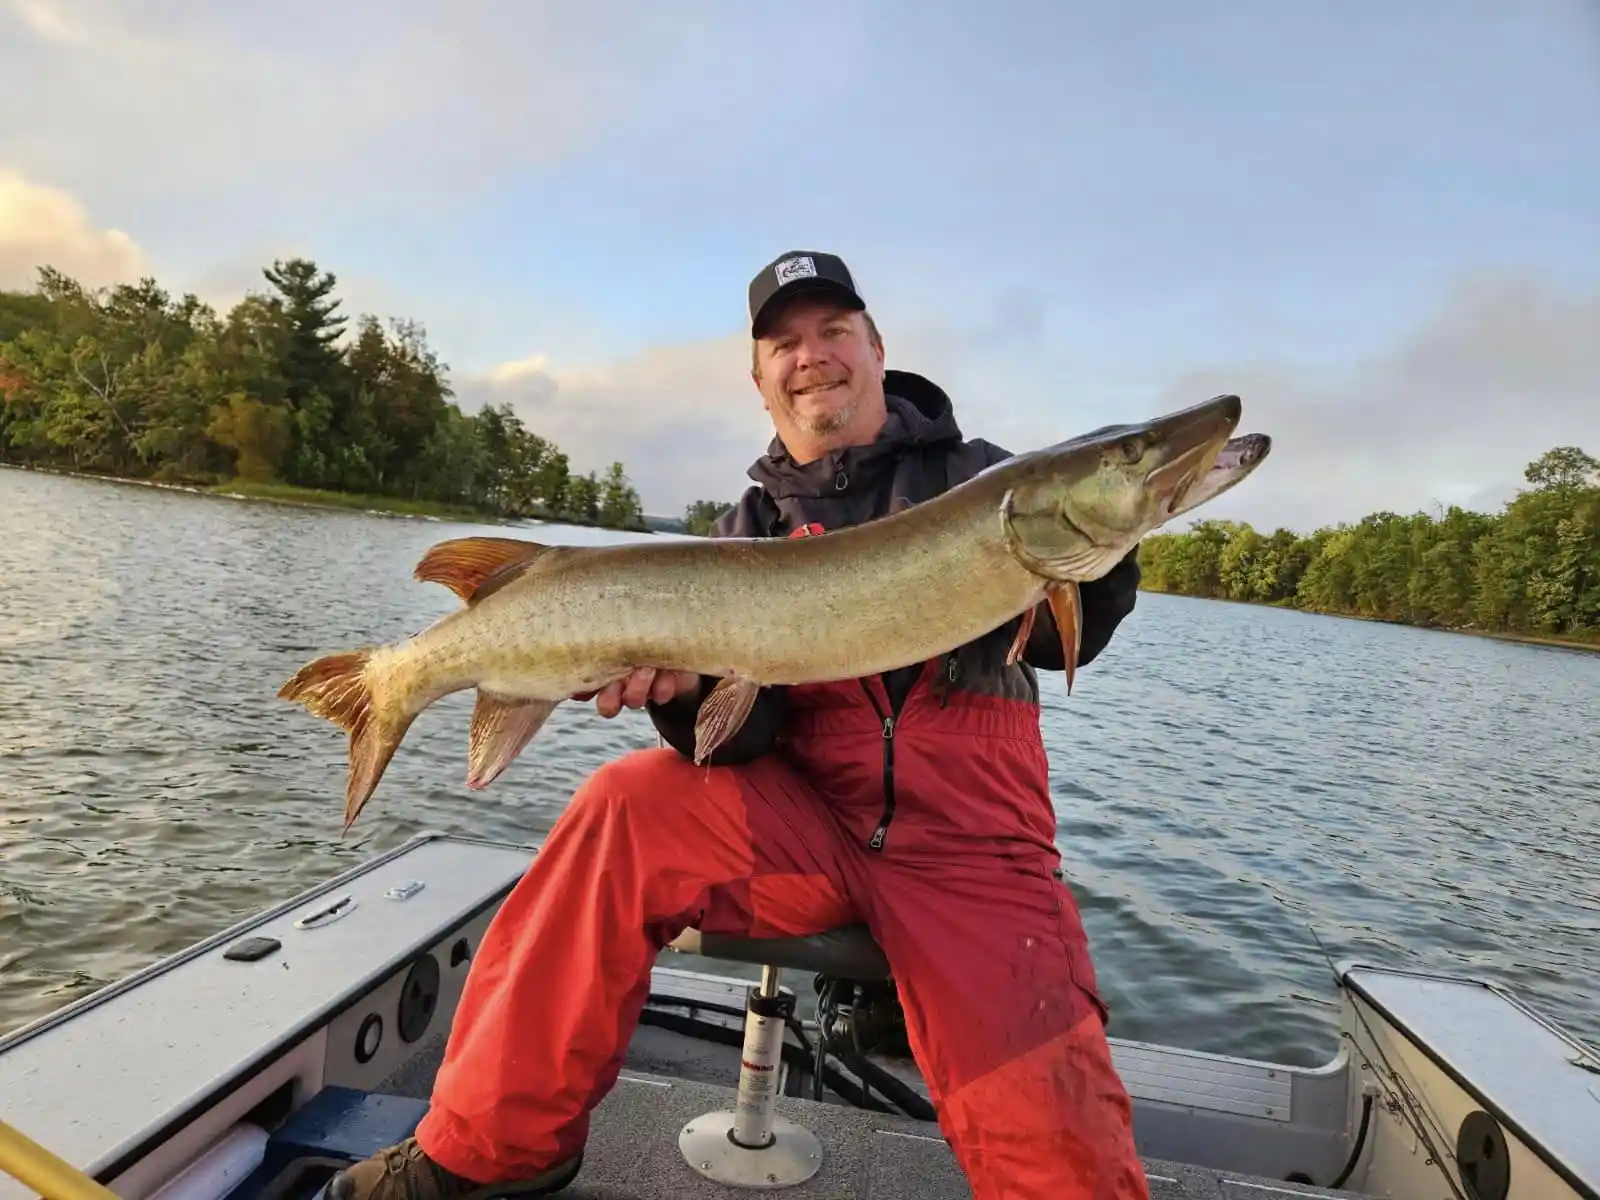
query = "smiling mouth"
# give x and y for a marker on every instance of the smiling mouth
(817, 389)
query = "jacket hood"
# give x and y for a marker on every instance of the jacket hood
(920, 415)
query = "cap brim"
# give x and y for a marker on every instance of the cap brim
(789, 291)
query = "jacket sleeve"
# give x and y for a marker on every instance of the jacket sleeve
(1106, 601)
(674, 721)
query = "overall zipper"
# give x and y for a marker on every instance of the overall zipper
(888, 723)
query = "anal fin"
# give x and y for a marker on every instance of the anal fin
(723, 714)
(500, 728)
(1066, 606)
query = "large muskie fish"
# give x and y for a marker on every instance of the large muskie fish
(542, 624)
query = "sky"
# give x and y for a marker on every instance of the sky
(1378, 224)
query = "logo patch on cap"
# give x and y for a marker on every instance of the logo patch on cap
(790, 269)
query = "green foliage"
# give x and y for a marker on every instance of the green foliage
(700, 515)
(283, 390)
(1532, 569)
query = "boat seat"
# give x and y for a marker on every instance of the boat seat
(748, 1144)
(846, 952)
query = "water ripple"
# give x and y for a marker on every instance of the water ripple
(1233, 784)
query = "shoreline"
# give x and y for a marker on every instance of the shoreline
(430, 510)
(295, 496)
(1532, 639)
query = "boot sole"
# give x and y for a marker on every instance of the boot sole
(562, 1177)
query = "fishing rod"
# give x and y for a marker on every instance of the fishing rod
(1399, 1098)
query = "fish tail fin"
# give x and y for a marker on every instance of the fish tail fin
(339, 688)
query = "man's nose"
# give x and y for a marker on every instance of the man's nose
(811, 350)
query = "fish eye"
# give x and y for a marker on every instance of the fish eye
(1131, 450)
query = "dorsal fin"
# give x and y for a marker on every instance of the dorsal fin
(475, 567)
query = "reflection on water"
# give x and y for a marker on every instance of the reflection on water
(1227, 778)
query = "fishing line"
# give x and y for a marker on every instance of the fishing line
(1415, 1112)
(1399, 1099)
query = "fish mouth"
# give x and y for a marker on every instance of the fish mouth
(1193, 476)
(1243, 451)
(1235, 462)
(1200, 434)
(1207, 437)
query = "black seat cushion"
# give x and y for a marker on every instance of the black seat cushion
(847, 952)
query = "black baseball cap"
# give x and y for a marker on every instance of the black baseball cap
(800, 271)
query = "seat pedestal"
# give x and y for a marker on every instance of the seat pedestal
(751, 1146)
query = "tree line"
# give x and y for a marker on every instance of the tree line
(132, 382)
(1531, 569)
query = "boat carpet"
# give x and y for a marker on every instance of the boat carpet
(633, 1143)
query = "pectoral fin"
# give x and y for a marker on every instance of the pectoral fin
(722, 715)
(1024, 632)
(1066, 605)
(500, 729)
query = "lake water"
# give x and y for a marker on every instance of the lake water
(1227, 778)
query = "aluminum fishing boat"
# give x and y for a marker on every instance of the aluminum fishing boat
(255, 1063)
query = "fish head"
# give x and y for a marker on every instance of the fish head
(1074, 510)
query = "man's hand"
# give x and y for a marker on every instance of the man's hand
(645, 683)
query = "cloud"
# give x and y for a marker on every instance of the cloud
(399, 104)
(524, 371)
(42, 225)
(684, 420)
(525, 177)
(1451, 412)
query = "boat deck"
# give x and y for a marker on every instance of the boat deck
(123, 1083)
(633, 1142)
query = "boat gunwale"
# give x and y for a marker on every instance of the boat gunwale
(1583, 1189)
(125, 1156)
(161, 966)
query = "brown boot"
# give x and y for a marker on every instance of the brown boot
(404, 1172)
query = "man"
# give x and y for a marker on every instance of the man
(918, 802)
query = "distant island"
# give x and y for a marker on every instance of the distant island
(1530, 571)
(272, 401)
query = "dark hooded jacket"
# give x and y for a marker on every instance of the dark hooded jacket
(968, 702)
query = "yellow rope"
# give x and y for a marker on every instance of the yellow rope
(51, 1177)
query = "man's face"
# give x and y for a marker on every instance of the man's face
(819, 368)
